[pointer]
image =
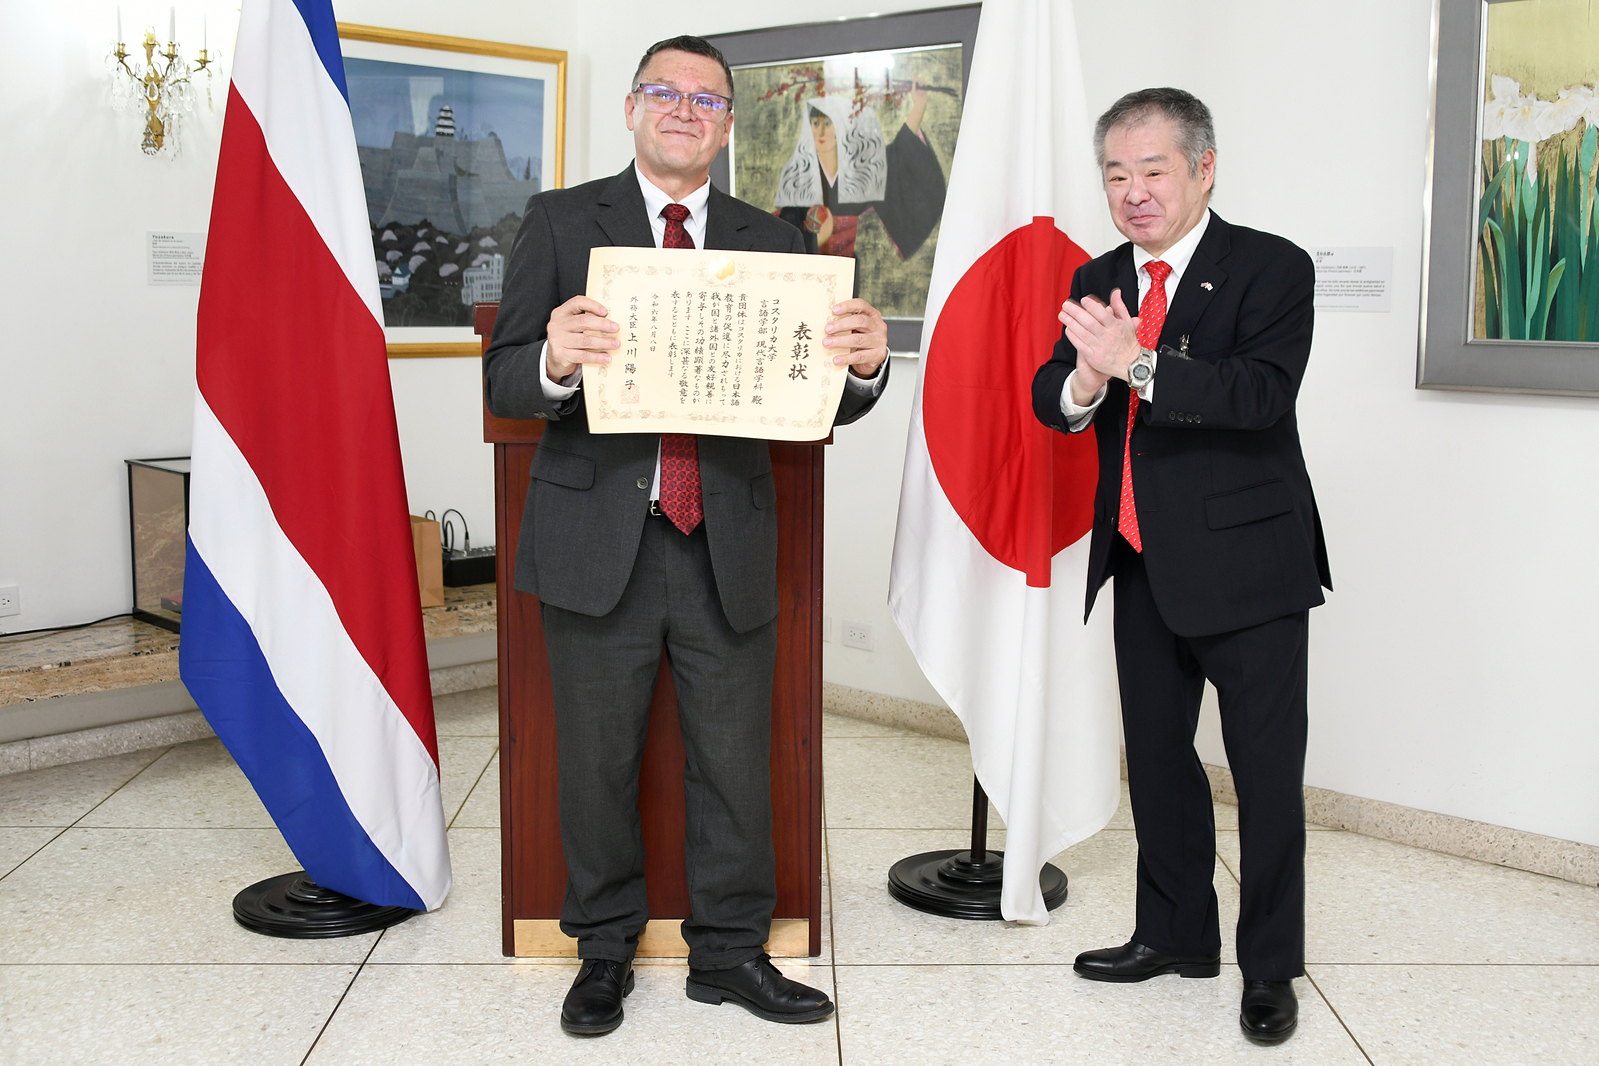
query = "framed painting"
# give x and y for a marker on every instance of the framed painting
(847, 129)
(1510, 283)
(454, 135)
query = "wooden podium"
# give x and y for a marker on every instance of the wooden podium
(533, 871)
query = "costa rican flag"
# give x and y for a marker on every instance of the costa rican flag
(302, 624)
(991, 550)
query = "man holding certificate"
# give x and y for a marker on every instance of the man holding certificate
(632, 540)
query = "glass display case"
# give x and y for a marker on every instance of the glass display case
(158, 509)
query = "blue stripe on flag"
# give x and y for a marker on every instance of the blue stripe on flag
(222, 665)
(318, 15)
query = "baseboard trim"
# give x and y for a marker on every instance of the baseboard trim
(160, 730)
(1446, 833)
(897, 711)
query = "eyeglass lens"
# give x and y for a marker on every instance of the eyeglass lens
(662, 98)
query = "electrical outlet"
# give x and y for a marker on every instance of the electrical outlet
(827, 628)
(858, 635)
(10, 601)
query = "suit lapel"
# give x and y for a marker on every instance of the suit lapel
(1126, 278)
(725, 229)
(621, 213)
(1199, 283)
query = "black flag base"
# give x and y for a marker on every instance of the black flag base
(952, 884)
(294, 906)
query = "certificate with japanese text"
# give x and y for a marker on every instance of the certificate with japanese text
(728, 343)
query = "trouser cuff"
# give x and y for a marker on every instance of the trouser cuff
(722, 960)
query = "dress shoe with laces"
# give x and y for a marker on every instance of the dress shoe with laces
(1134, 962)
(760, 988)
(1269, 1011)
(594, 1002)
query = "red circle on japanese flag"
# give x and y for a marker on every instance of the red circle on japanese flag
(1025, 491)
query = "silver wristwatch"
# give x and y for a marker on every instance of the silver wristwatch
(1142, 370)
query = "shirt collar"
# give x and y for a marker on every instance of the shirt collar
(1178, 255)
(655, 199)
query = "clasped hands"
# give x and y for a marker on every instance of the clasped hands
(579, 332)
(1106, 339)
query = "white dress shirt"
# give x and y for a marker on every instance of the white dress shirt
(1178, 256)
(655, 202)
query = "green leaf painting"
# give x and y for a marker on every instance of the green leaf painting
(1537, 269)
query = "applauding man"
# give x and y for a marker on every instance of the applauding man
(1184, 349)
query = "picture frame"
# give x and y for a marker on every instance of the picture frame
(1469, 334)
(903, 52)
(458, 128)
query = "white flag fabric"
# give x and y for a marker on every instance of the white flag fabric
(991, 551)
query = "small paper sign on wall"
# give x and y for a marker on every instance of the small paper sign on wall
(1353, 279)
(175, 258)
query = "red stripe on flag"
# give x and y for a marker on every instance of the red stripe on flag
(293, 365)
(1025, 492)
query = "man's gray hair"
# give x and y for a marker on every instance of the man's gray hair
(1196, 134)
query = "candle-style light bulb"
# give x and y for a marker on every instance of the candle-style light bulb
(204, 32)
(119, 23)
(172, 24)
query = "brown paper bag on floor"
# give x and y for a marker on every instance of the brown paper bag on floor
(426, 540)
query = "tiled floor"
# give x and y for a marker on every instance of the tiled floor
(117, 943)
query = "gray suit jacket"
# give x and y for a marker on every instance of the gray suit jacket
(590, 492)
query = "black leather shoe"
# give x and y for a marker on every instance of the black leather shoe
(1269, 1011)
(1134, 962)
(594, 1002)
(760, 988)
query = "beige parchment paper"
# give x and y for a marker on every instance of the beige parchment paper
(727, 343)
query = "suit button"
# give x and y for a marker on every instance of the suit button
(643, 482)
(1173, 416)
(1199, 418)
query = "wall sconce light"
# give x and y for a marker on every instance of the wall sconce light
(163, 83)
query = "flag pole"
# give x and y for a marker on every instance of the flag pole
(965, 884)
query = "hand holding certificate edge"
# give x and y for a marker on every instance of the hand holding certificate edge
(858, 326)
(577, 333)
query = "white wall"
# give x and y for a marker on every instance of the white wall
(1451, 671)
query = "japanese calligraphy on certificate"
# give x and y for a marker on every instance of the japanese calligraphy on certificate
(728, 343)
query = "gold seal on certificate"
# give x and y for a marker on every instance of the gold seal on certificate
(720, 342)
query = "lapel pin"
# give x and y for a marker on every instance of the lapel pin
(1207, 286)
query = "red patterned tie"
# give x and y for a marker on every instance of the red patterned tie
(1151, 317)
(680, 453)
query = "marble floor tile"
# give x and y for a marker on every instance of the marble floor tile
(467, 928)
(462, 761)
(899, 783)
(475, 1015)
(150, 896)
(17, 844)
(60, 795)
(1468, 1015)
(475, 713)
(261, 1015)
(194, 785)
(869, 926)
(1369, 900)
(954, 1015)
(842, 725)
(482, 808)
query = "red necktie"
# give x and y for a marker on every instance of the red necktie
(1151, 317)
(680, 453)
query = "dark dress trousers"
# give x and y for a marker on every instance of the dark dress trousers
(616, 586)
(1233, 560)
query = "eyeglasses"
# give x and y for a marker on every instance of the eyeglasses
(664, 99)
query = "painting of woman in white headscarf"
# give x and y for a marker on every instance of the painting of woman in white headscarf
(854, 150)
